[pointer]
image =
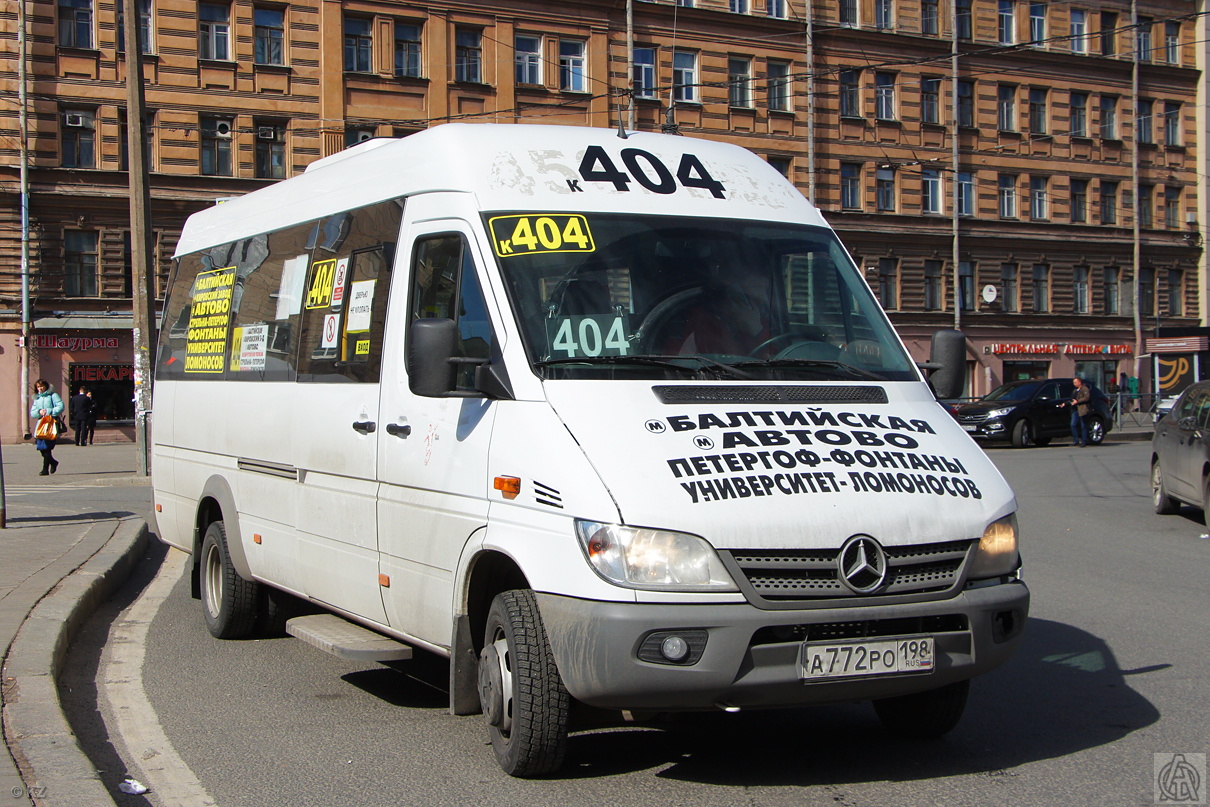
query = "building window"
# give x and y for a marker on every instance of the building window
(80, 263)
(75, 23)
(468, 55)
(1142, 39)
(1146, 194)
(930, 191)
(572, 77)
(929, 17)
(1006, 108)
(962, 12)
(528, 59)
(776, 8)
(270, 150)
(1172, 124)
(1078, 111)
(358, 134)
(1109, 202)
(1037, 22)
(1172, 42)
(778, 91)
(1079, 31)
(1176, 293)
(78, 138)
(884, 16)
(1147, 292)
(850, 94)
(216, 146)
(1005, 22)
(144, 26)
(684, 76)
(1008, 288)
(1172, 207)
(1079, 289)
(1109, 117)
(1109, 25)
(888, 283)
(850, 186)
(966, 193)
(269, 35)
(1037, 110)
(966, 103)
(884, 186)
(1041, 288)
(359, 45)
(1038, 207)
(848, 13)
(930, 100)
(407, 50)
(148, 141)
(1079, 201)
(739, 6)
(739, 83)
(932, 285)
(1142, 121)
(214, 31)
(966, 285)
(1109, 289)
(783, 165)
(884, 96)
(644, 73)
(1008, 196)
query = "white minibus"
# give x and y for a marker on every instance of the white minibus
(601, 417)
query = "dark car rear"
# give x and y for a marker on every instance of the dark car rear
(1180, 453)
(1032, 412)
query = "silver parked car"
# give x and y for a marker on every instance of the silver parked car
(1180, 453)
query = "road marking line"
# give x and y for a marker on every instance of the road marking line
(147, 747)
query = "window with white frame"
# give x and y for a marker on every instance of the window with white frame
(1041, 288)
(778, 85)
(884, 96)
(643, 80)
(1010, 301)
(1077, 112)
(80, 261)
(1109, 117)
(78, 138)
(75, 23)
(931, 191)
(468, 55)
(145, 26)
(962, 14)
(216, 136)
(528, 50)
(1142, 121)
(1172, 207)
(214, 31)
(1038, 208)
(850, 94)
(739, 6)
(930, 100)
(1007, 188)
(684, 76)
(776, 8)
(1006, 108)
(966, 193)
(884, 189)
(1006, 22)
(1079, 31)
(1142, 38)
(884, 14)
(407, 50)
(1172, 42)
(268, 35)
(1037, 22)
(739, 82)
(572, 76)
(850, 186)
(358, 45)
(929, 17)
(270, 150)
(1079, 289)
(1172, 123)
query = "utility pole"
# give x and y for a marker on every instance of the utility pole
(140, 235)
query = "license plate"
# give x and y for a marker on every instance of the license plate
(860, 659)
(970, 427)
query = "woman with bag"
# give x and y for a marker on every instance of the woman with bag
(47, 407)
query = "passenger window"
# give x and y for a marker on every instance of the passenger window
(1050, 392)
(1185, 407)
(1203, 410)
(444, 285)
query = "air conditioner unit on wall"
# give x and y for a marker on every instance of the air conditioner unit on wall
(266, 133)
(73, 119)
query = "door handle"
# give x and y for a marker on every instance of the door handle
(364, 426)
(399, 431)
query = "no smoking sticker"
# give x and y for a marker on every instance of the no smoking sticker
(331, 327)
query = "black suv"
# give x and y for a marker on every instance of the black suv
(1032, 412)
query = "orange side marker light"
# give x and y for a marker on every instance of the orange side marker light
(510, 486)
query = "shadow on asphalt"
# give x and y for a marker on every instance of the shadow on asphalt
(74, 518)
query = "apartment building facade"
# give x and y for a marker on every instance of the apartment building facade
(1041, 189)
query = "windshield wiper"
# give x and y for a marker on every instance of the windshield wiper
(667, 362)
(835, 365)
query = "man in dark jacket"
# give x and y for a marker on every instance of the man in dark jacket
(81, 409)
(1081, 406)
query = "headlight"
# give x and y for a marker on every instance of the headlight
(999, 413)
(997, 551)
(652, 559)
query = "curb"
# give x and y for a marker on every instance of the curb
(35, 727)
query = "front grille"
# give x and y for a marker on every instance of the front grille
(781, 576)
(804, 394)
(863, 629)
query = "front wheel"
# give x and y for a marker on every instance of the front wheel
(1165, 505)
(1023, 434)
(1096, 431)
(924, 715)
(523, 697)
(229, 602)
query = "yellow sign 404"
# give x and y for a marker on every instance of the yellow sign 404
(528, 234)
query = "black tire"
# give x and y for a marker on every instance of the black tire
(229, 602)
(1023, 434)
(1165, 505)
(523, 697)
(1096, 431)
(924, 715)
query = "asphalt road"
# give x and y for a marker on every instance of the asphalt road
(1112, 672)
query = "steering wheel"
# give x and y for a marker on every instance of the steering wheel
(664, 312)
(812, 337)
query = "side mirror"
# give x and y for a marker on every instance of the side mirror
(432, 346)
(947, 360)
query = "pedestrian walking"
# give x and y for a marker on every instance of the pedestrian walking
(90, 427)
(1081, 406)
(46, 403)
(81, 409)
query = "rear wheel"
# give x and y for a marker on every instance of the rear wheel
(924, 715)
(229, 602)
(523, 697)
(1023, 434)
(1096, 430)
(1165, 505)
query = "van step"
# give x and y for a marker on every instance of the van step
(341, 637)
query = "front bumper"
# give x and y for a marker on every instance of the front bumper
(596, 644)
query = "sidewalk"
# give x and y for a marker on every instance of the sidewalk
(57, 568)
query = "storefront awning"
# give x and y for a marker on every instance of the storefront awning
(97, 323)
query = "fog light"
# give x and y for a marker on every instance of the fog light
(674, 648)
(680, 647)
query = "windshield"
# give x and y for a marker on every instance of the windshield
(1017, 391)
(614, 295)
